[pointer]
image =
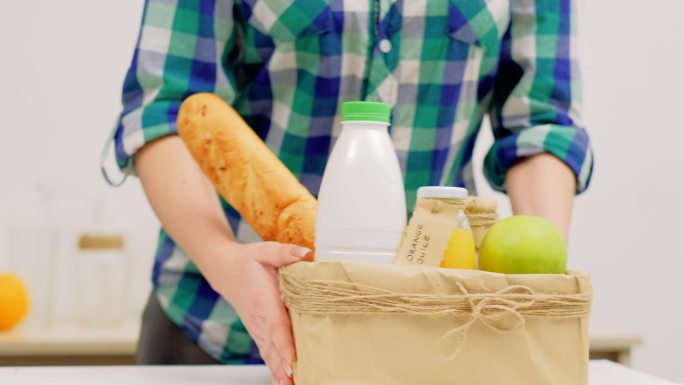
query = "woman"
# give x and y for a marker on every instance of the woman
(286, 67)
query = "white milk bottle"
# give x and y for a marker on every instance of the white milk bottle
(361, 202)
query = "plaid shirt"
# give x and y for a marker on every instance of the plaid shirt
(286, 66)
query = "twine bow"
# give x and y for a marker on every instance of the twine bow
(491, 310)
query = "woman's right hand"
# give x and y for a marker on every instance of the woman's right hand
(246, 275)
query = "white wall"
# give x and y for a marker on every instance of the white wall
(627, 228)
(63, 64)
(61, 71)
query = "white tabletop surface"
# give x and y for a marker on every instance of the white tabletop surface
(64, 340)
(600, 373)
(122, 339)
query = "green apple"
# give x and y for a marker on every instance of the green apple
(523, 244)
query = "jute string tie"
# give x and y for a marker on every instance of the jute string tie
(482, 219)
(475, 219)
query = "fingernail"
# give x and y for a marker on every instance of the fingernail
(301, 252)
(288, 371)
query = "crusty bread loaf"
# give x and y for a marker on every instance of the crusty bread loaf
(245, 171)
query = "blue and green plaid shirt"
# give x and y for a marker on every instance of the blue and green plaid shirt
(286, 66)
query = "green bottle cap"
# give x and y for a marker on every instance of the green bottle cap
(366, 111)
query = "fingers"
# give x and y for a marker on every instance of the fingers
(260, 330)
(272, 360)
(263, 311)
(280, 370)
(281, 254)
(278, 354)
(279, 351)
(283, 343)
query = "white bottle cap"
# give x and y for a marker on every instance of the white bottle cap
(442, 192)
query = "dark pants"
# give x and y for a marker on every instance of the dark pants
(163, 343)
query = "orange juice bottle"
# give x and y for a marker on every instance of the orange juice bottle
(460, 250)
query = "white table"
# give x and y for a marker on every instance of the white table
(71, 345)
(600, 373)
(117, 344)
(612, 344)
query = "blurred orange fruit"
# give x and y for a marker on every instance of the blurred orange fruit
(14, 301)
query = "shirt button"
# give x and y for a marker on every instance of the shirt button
(385, 46)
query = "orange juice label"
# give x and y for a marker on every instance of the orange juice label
(427, 234)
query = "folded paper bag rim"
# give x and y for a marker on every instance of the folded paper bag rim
(419, 290)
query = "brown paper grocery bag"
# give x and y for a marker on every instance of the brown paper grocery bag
(363, 324)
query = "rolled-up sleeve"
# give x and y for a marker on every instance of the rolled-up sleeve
(179, 53)
(536, 102)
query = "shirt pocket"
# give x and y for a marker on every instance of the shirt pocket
(287, 21)
(478, 22)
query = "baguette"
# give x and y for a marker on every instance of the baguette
(245, 171)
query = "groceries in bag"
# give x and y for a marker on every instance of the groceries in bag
(460, 248)
(361, 202)
(524, 244)
(365, 210)
(436, 230)
(245, 171)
